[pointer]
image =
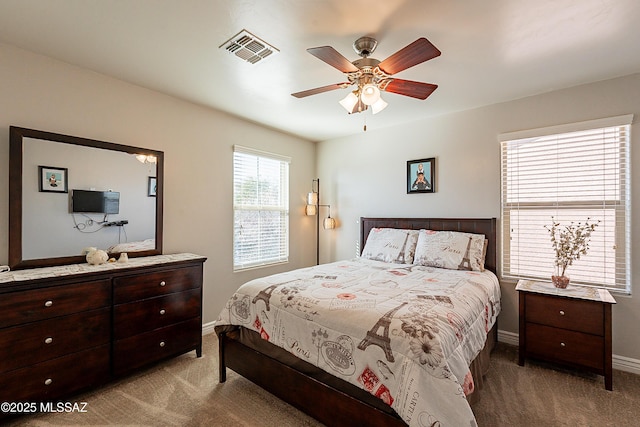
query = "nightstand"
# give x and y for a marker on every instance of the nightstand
(569, 326)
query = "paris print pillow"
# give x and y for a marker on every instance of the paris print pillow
(391, 245)
(453, 250)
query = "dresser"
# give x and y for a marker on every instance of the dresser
(70, 328)
(569, 326)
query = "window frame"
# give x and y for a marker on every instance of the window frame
(241, 260)
(620, 207)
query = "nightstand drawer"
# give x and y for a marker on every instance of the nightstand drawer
(574, 314)
(133, 288)
(142, 316)
(39, 341)
(555, 344)
(30, 306)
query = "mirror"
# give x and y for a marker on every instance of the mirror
(116, 205)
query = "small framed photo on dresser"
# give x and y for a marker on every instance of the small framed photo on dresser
(421, 176)
(52, 179)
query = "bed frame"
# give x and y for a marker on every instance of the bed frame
(318, 399)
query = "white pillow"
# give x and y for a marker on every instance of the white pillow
(453, 250)
(391, 245)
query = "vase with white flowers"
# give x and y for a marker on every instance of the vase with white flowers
(569, 242)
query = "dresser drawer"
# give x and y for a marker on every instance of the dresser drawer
(142, 316)
(132, 288)
(58, 377)
(30, 306)
(561, 345)
(47, 339)
(574, 314)
(139, 350)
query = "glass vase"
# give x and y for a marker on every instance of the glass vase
(560, 280)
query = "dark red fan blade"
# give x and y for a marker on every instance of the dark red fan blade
(320, 90)
(417, 52)
(333, 58)
(409, 88)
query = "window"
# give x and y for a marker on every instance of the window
(260, 208)
(571, 173)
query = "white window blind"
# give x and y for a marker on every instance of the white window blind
(261, 208)
(571, 173)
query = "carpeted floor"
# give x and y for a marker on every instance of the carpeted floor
(185, 392)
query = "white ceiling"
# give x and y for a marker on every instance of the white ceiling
(492, 50)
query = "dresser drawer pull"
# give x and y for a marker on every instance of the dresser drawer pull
(163, 283)
(48, 303)
(48, 340)
(561, 312)
(162, 344)
(562, 344)
(48, 381)
(162, 311)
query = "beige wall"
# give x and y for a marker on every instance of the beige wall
(364, 175)
(40, 93)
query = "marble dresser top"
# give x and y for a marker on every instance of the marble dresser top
(572, 291)
(68, 270)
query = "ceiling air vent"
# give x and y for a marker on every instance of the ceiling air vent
(248, 47)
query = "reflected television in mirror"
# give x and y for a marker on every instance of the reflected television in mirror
(91, 201)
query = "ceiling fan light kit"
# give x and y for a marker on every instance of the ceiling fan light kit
(371, 76)
(370, 94)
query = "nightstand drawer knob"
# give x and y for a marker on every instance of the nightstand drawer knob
(163, 283)
(562, 344)
(162, 311)
(48, 303)
(48, 340)
(48, 381)
(162, 344)
(561, 312)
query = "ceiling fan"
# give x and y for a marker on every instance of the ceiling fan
(370, 76)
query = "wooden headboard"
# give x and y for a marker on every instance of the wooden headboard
(486, 226)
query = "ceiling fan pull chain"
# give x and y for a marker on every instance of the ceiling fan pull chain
(364, 129)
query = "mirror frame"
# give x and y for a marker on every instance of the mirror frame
(16, 146)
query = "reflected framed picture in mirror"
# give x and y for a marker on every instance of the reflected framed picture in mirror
(53, 180)
(153, 186)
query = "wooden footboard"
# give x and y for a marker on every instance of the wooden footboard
(320, 401)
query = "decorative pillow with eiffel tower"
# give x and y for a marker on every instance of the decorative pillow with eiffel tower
(450, 249)
(391, 245)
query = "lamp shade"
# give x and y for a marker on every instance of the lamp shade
(329, 223)
(349, 101)
(378, 106)
(310, 210)
(370, 94)
(312, 198)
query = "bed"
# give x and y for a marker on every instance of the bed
(375, 340)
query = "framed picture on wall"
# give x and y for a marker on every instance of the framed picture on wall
(421, 176)
(153, 186)
(52, 179)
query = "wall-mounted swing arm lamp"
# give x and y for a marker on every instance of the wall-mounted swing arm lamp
(313, 208)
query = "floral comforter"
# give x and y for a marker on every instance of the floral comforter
(405, 333)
